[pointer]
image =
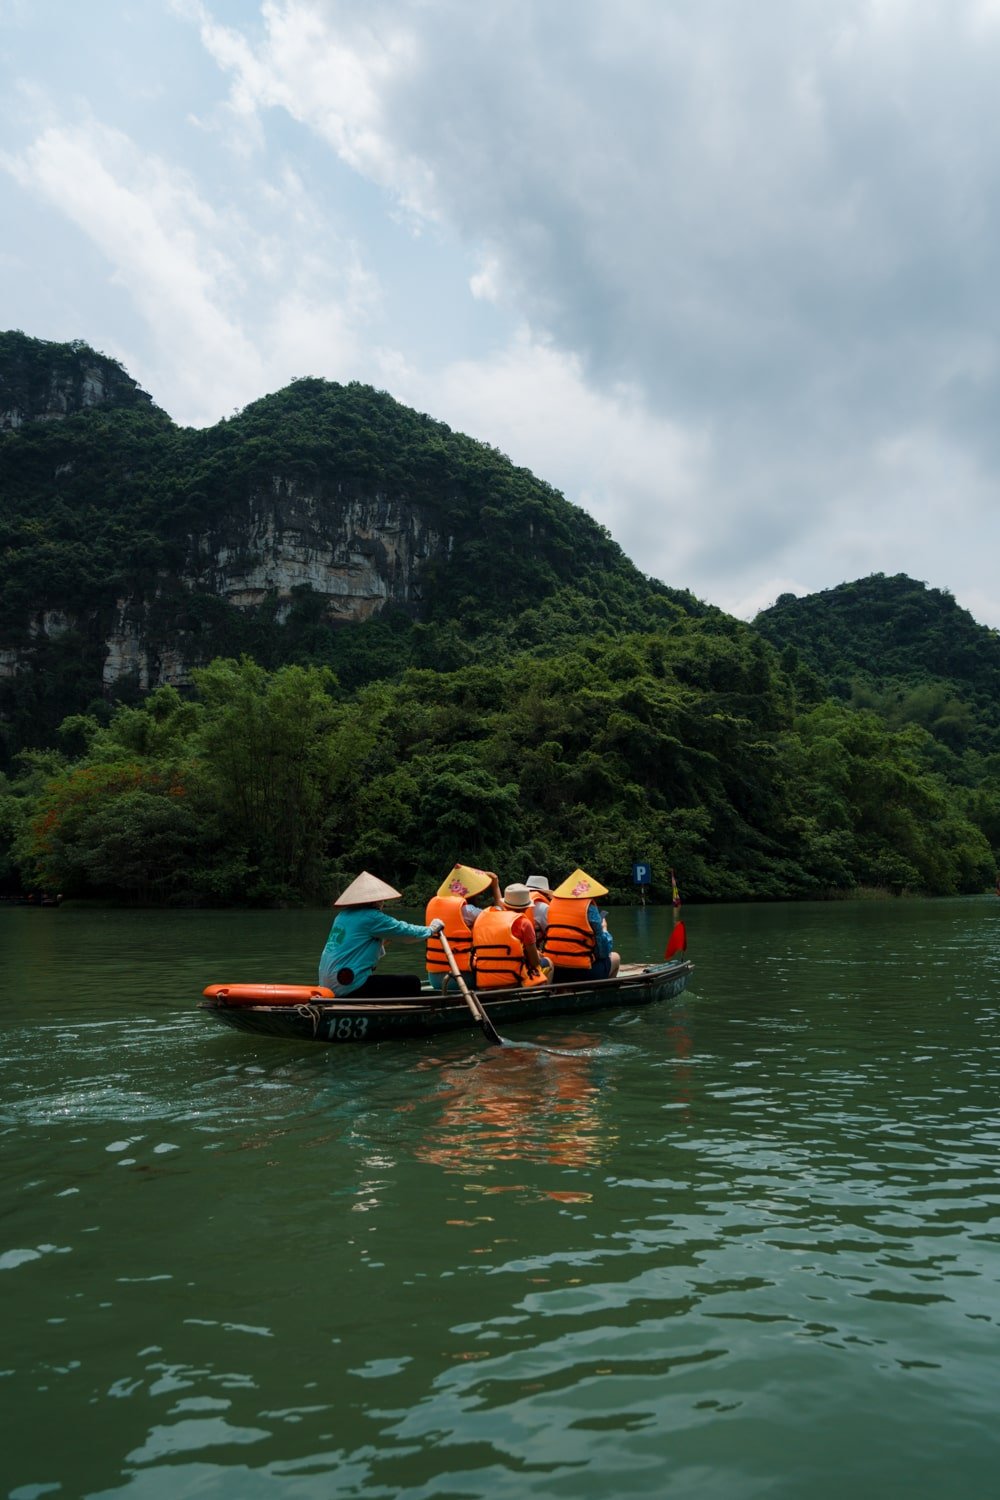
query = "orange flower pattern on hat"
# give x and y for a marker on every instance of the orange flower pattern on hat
(580, 885)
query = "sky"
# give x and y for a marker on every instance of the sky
(725, 274)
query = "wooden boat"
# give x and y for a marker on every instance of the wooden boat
(315, 1018)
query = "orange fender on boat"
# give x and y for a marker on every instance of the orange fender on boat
(267, 994)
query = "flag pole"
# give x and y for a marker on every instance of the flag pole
(677, 942)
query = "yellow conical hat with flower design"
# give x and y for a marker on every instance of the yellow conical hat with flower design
(580, 886)
(464, 880)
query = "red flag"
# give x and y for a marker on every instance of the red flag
(677, 942)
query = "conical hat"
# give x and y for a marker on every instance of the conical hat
(365, 889)
(464, 880)
(580, 886)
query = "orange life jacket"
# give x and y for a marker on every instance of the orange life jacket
(497, 954)
(449, 909)
(569, 937)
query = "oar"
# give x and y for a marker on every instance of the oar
(472, 1000)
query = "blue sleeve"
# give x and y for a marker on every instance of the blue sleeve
(382, 925)
(604, 941)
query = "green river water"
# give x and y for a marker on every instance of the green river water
(741, 1244)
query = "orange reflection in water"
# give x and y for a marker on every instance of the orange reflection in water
(520, 1104)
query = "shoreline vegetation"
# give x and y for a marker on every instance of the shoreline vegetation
(271, 788)
(415, 902)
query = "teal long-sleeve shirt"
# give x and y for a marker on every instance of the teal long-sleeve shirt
(354, 946)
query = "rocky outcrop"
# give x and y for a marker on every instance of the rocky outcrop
(358, 553)
(45, 625)
(43, 382)
(133, 551)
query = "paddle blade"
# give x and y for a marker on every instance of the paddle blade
(678, 941)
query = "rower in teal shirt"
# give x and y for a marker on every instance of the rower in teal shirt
(355, 944)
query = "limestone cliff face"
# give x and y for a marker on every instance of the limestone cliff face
(41, 382)
(357, 547)
(357, 552)
(133, 550)
(60, 397)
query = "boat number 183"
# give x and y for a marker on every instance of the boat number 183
(347, 1028)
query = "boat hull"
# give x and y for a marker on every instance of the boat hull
(352, 1021)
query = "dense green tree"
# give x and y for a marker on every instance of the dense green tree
(111, 829)
(534, 702)
(266, 747)
(273, 786)
(112, 502)
(873, 812)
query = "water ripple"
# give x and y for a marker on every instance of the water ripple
(747, 1244)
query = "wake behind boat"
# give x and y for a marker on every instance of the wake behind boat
(309, 1013)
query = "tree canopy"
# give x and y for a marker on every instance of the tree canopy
(539, 704)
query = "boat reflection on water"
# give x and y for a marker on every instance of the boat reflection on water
(682, 1045)
(521, 1104)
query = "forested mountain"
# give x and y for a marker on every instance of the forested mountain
(239, 664)
(132, 550)
(897, 646)
(42, 381)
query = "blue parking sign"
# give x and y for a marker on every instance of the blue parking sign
(641, 873)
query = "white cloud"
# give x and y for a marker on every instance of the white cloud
(614, 457)
(164, 245)
(746, 606)
(723, 274)
(747, 251)
(484, 284)
(331, 79)
(233, 308)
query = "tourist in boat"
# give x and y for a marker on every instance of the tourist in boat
(453, 905)
(577, 939)
(504, 949)
(356, 939)
(541, 895)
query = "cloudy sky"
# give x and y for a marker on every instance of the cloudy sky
(725, 273)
